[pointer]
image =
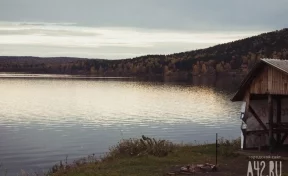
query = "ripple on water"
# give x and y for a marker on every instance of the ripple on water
(42, 120)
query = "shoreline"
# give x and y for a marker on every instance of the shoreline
(94, 76)
(149, 156)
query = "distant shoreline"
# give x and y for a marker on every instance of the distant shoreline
(91, 76)
(60, 76)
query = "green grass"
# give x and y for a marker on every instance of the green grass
(150, 157)
(142, 165)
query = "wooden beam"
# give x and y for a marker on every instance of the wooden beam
(257, 118)
(283, 139)
(257, 132)
(270, 120)
(279, 117)
(244, 132)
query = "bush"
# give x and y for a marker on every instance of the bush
(229, 147)
(142, 146)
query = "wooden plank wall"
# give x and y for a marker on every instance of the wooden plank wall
(247, 100)
(260, 84)
(278, 82)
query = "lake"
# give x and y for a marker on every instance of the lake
(44, 119)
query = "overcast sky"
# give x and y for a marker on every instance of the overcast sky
(126, 28)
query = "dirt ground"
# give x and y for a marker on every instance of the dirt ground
(238, 166)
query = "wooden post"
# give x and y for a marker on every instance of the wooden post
(279, 118)
(270, 120)
(216, 148)
(244, 139)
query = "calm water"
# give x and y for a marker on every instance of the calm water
(44, 119)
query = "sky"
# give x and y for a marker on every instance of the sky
(117, 29)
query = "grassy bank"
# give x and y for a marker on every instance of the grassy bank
(150, 157)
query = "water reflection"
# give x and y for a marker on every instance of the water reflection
(42, 120)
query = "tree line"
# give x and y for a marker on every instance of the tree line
(236, 57)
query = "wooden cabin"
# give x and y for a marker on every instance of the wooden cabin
(264, 114)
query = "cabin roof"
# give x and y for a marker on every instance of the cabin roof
(281, 65)
(277, 63)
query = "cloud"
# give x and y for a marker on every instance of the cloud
(73, 40)
(161, 14)
(131, 27)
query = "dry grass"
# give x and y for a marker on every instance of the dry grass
(228, 147)
(149, 156)
(142, 146)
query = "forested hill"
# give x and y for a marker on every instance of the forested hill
(230, 58)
